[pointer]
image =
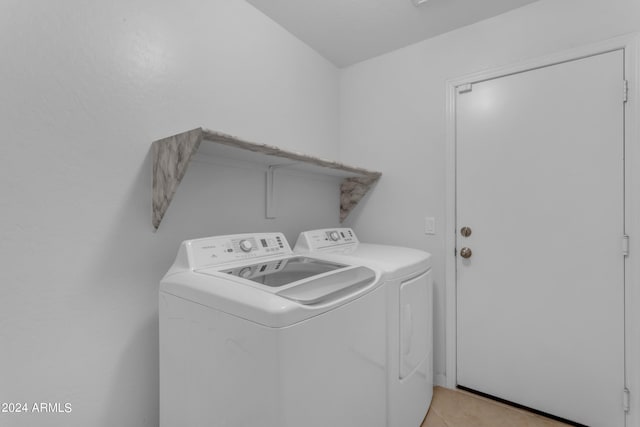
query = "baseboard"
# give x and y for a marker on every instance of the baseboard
(440, 380)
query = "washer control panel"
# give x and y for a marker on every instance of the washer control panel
(326, 238)
(219, 250)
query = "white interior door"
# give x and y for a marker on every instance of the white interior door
(540, 180)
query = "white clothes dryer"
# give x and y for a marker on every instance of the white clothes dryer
(406, 274)
(252, 334)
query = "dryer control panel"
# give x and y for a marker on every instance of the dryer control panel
(327, 238)
(211, 251)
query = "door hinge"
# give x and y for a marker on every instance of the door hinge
(467, 87)
(626, 399)
(625, 90)
(625, 245)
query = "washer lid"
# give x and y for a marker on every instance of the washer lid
(306, 281)
(330, 287)
(272, 306)
(281, 272)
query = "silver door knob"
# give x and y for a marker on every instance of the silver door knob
(465, 253)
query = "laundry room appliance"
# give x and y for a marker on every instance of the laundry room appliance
(252, 334)
(406, 274)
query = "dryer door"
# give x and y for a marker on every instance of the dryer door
(415, 322)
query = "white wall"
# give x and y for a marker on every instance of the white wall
(85, 88)
(393, 114)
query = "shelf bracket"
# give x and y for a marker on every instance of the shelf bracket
(270, 202)
(270, 205)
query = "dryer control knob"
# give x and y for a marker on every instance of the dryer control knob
(246, 245)
(334, 236)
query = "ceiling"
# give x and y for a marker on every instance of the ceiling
(350, 31)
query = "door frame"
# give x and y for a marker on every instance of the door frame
(630, 44)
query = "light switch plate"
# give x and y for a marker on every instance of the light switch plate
(429, 225)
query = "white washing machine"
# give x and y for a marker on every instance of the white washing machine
(254, 335)
(406, 274)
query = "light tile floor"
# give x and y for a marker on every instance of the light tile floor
(456, 408)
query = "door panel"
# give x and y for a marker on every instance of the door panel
(540, 302)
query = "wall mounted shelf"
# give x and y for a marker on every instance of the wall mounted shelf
(172, 155)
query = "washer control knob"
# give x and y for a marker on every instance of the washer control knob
(245, 272)
(246, 245)
(334, 236)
